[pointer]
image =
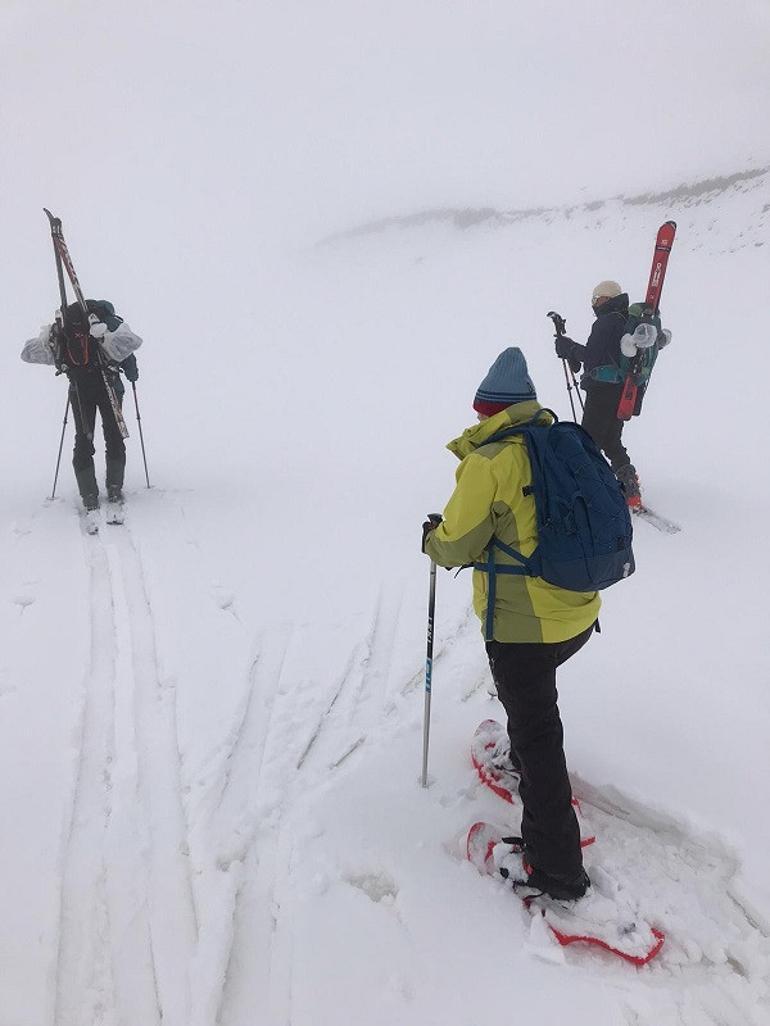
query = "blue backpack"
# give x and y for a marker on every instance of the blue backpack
(583, 523)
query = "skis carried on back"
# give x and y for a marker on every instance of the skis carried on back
(663, 244)
(63, 259)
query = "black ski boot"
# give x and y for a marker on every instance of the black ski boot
(559, 887)
(115, 511)
(115, 471)
(523, 875)
(88, 488)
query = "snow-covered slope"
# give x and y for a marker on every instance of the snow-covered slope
(212, 717)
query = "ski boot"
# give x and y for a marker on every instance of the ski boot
(513, 865)
(89, 493)
(115, 500)
(629, 482)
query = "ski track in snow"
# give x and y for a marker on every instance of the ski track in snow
(363, 682)
(84, 987)
(235, 817)
(262, 913)
(134, 945)
(173, 915)
(128, 920)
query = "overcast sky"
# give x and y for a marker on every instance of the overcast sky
(295, 118)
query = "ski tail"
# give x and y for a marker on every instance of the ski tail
(627, 402)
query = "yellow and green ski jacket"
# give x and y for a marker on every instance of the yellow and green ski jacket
(489, 500)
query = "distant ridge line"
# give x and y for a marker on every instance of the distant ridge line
(470, 217)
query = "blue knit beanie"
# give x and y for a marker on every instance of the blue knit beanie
(507, 382)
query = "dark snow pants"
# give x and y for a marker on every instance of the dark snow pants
(87, 395)
(525, 675)
(601, 421)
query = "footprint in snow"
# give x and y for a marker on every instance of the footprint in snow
(224, 599)
(378, 887)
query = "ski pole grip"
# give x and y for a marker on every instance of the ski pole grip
(559, 323)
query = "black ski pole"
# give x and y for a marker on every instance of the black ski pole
(428, 672)
(141, 434)
(560, 325)
(61, 444)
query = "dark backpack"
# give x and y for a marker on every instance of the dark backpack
(640, 365)
(76, 347)
(583, 523)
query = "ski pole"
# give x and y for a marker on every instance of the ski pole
(428, 672)
(141, 435)
(61, 443)
(560, 325)
(569, 390)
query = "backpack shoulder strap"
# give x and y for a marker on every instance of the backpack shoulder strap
(518, 429)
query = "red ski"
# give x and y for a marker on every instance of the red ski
(489, 755)
(596, 919)
(663, 244)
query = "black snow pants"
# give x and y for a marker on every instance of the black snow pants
(601, 421)
(87, 395)
(525, 675)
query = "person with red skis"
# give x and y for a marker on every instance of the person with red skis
(602, 380)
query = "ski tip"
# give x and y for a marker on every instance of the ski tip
(53, 220)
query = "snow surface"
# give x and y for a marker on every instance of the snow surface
(211, 717)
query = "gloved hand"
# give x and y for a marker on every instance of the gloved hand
(97, 329)
(130, 368)
(628, 346)
(434, 519)
(565, 347)
(54, 333)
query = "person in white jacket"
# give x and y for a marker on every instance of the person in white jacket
(92, 351)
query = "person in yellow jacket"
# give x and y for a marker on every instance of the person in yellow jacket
(533, 626)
